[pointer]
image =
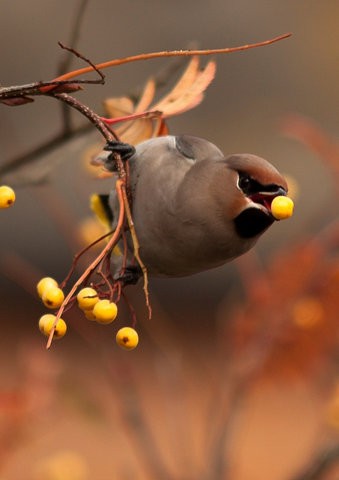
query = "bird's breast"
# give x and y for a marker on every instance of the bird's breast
(169, 247)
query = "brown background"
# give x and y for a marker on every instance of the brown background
(62, 399)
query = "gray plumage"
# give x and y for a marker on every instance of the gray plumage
(194, 209)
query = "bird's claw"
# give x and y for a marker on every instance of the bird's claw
(125, 150)
(129, 276)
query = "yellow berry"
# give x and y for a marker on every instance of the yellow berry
(53, 297)
(7, 196)
(282, 207)
(105, 311)
(44, 319)
(87, 298)
(46, 323)
(127, 338)
(89, 314)
(44, 284)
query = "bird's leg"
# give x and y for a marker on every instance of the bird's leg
(125, 150)
(130, 275)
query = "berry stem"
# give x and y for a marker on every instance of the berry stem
(106, 251)
(133, 116)
(79, 254)
(130, 308)
(136, 249)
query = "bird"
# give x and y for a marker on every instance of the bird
(193, 208)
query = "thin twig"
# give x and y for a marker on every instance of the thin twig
(36, 88)
(136, 250)
(105, 275)
(57, 86)
(170, 53)
(75, 33)
(130, 308)
(87, 60)
(79, 254)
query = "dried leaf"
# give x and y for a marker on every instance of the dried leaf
(118, 106)
(187, 79)
(146, 97)
(136, 131)
(187, 93)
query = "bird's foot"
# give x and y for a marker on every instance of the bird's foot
(129, 276)
(125, 150)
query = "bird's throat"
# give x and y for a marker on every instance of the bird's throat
(252, 222)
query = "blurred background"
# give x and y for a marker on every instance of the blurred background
(236, 375)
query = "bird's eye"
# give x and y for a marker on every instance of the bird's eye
(244, 182)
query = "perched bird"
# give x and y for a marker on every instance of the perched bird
(193, 208)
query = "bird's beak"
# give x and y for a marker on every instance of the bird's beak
(264, 199)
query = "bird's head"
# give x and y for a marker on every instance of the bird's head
(255, 184)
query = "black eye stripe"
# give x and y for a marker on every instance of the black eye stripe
(250, 186)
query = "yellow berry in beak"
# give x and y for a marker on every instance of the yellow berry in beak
(282, 207)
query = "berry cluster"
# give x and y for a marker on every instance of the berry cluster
(94, 308)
